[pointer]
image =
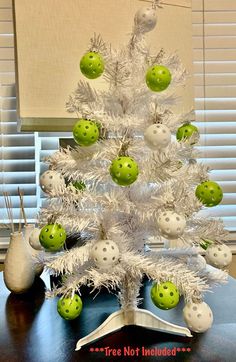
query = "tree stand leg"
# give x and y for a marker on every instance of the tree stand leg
(134, 316)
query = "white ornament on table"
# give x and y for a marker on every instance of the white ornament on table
(105, 253)
(51, 180)
(18, 270)
(198, 316)
(146, 19)
(157, 136)
(196, 263)
(170, 224)
(219, 255)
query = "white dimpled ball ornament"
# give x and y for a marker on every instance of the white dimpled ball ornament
(34, 239)
(170, 224)
(219, 255)
(146, 19)
(157, 136)
(51, 180)
(198, 316)
(105, 253)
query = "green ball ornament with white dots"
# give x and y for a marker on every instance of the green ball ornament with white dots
(165, 295)
(92, 65)
(158, 78)
(186, 131)
(209, 193)
(85, 132)
(124, 171)
(52, 237)
(69, 308)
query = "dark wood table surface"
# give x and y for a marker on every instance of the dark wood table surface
(31, 329)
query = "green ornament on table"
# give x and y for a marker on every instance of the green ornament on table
(52, 237)
(165, 295)
(209, 193)
(85, 132)
(158, 78)
(186, 132)
(124, 171)
(92, 65)
(69, 308)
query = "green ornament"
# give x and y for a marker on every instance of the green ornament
(206, 243)
(92, 65)
(85, 132)
(209, 193)
(79, 185)
(52, 237)
(165, 295)
(186, 132)
(158, 78)
(124, 171)
(69, 308)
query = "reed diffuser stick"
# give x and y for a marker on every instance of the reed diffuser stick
(21, 195)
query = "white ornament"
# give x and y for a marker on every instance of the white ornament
(51, 180)
(157, 136)
(34, 239)
(198, 316)
(196, 263)
(105, 253)
(219, 255)
(28, 231)
(170, 224)
(146, 19)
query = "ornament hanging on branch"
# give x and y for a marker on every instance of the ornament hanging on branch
(34, 239)
(219, 255)
(92, 65)
(52, 237)
(188, 132)
(105, 254)
(170, 224)
(124, 171)
(85, 132)
(198, 316)
(165, 295)
(145, 19)
(158, 78)
(69, 308)
(51, 180)
(205, 243)
(209, 193)
(157, 136)
(76, 187)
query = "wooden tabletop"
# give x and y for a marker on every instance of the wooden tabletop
(32, 330)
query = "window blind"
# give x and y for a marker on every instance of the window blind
(214, 42)
(17, 150)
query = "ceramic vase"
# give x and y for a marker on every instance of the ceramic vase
(18, 266)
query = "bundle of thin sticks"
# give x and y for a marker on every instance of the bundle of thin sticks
(8, 203)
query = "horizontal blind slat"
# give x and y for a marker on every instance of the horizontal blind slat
(215, 5)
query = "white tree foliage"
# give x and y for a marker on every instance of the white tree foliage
(167, 181)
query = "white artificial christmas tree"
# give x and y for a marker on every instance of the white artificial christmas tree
(129, 183)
